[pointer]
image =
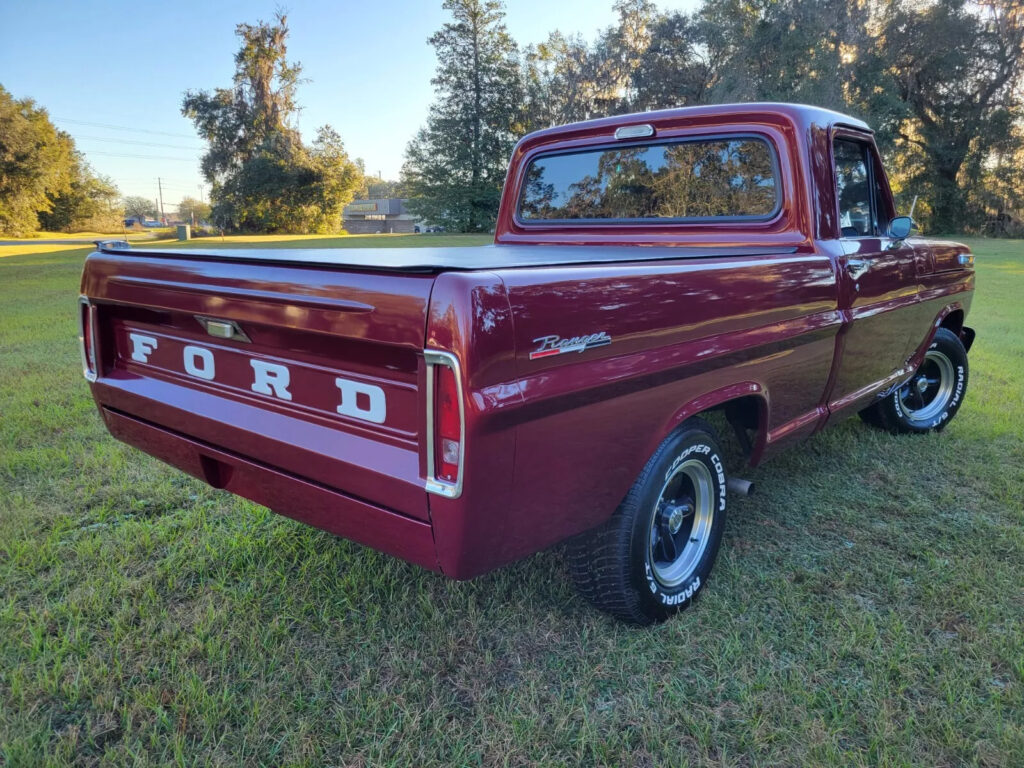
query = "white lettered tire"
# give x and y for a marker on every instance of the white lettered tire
(654, 555)
(932, 397)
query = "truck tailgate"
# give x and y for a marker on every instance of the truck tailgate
(315, 372)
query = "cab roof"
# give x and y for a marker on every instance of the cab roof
(802, 115)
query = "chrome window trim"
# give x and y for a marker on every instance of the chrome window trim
(435, 485)
(753, 218)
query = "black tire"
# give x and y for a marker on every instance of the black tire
(624, 566)
(871, 416)
(934, 394)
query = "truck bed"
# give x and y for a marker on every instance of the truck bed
(429, 260)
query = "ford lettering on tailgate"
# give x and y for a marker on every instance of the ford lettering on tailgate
(299, 383)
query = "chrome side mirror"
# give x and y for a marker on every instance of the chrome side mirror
(900, 227)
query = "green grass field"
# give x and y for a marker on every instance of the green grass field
(867, 607)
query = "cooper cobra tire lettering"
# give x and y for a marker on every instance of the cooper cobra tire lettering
(613, 565)
(720, 470)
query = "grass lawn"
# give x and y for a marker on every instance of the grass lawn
(132, 235)
(43, 235)
(867, 607)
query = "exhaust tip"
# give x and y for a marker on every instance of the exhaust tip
(740, 486)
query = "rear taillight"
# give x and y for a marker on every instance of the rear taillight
(446, 434)
(449, 425)
(87, 337)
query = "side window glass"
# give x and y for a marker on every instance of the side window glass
(853, 189)
(883, 213)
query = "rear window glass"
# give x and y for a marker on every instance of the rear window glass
(722, 177)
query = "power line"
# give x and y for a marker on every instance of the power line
(121, 127)
(146, 157)
(188, 182)
(138, 143)
(184, 186)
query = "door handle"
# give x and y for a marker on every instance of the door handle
(857, 267)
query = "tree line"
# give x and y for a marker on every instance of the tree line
(45, 181)
(939, 80)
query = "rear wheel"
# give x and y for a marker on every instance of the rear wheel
(933, 395)
(654, 554)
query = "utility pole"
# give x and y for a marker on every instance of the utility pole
(201, 198)
(160, 186)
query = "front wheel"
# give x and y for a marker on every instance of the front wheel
(933, 395)
(655, 553)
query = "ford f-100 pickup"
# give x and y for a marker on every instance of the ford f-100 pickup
(651, 275)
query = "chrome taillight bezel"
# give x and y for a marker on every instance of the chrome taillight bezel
(87, 325)
(435, 484)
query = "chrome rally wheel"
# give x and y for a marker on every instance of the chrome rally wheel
(932, 396)
(928, 394)
(654, 555)
(681, 524)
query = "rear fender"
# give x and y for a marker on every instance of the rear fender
(715, 398)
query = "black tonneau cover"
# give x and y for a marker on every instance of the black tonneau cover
(443, 259)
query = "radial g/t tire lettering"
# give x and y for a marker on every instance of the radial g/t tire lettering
(932, 397)
(653, 556)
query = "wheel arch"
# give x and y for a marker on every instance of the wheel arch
(745, 401)
(950, 317)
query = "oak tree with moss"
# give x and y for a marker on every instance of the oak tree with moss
(263, 177)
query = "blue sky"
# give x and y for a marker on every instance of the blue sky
(99, 64)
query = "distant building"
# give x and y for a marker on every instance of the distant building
(381, 216)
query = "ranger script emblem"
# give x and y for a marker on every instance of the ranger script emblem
(556, 345)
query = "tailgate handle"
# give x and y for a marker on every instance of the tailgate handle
(223, 329)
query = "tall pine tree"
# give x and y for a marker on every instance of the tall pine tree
(455, 165)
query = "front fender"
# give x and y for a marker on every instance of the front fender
(966, 334)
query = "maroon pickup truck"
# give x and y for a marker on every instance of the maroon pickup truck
(460, 408)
